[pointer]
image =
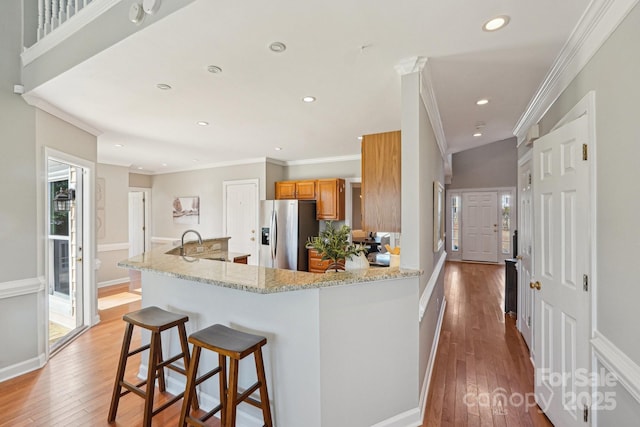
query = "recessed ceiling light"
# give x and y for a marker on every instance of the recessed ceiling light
(194, 160)
(163, 86)
(214, 69)
(203, 123)
(278, 148)
(477, 134)
(140, 167)
(359, 138)
(482, 101)
(496, 23)
(277, 47)
(118, 145)
(308, 99)
(164, 164)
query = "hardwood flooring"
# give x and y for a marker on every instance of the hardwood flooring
(482, 374)
(74, 388)
(480, 355)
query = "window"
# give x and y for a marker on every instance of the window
(505, 223)
(455, 223)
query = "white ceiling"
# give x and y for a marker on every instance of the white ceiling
(341, 52)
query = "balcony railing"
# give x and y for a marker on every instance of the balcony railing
(53, 13)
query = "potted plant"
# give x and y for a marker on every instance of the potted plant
(333, 244)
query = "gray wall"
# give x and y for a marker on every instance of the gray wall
(18, 213)
(205, 183)
(422, 164)
(274, 173)
(116, 222)
(341, 169)
(489, 166)
(613, 74)
(140, 180)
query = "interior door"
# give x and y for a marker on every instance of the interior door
(525, 255)
(137, 227)
(561, 253)
(480, 226)
(241, 218)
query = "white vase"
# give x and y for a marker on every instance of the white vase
(359, 262)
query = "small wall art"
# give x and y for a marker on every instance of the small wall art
(186, 210)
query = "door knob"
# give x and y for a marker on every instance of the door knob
(536, 285)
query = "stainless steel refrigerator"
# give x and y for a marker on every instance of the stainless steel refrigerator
(285, 226)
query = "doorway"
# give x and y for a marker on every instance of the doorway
(65, 243)
(240, 222)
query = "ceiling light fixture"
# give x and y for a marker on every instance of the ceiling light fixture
(277, 47)
(477, 134)
(139, 167)
(203, 123)
(118, 145)
(278, 148)
(163, 86)
(359, 138)
(482, 101)
(309, 99)
(214, 69)
(164, 164)
(496, 23)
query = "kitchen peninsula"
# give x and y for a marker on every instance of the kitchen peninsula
(342, 347)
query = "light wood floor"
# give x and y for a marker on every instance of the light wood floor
(479, 352)
(481, 356)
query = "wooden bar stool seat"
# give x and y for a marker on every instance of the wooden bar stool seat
(235, 345)
(155, 320)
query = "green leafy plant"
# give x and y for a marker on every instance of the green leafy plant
(333, 244)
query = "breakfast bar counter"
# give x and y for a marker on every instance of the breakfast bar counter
(342, 348)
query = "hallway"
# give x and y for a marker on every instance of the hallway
(482, 374)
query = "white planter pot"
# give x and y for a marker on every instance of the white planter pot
(359, 262)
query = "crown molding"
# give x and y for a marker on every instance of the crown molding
(414, 64)
(428, 97)
(80, 19)
(43, 105)
(598, 22)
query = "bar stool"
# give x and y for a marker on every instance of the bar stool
(235, 345)
(155, 320)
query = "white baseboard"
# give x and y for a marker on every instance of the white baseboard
(432, 361)
(113, 282)
(618, 363)
(410, 418)
(22, 368)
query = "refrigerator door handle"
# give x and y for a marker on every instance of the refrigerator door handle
(274, 235)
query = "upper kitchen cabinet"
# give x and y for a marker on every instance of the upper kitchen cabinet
(330, 197)
(300, 190)
(381, 189)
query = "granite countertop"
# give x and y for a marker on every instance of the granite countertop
(251, 278)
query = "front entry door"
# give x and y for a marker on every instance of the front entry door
(480, 226)
(562, 264)
(525, 255)
(241, 217)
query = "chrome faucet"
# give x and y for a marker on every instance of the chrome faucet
(182, 240)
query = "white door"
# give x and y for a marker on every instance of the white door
(241, 217)
(525, 255)
(480, 226)
(562, 262)
(137, 227)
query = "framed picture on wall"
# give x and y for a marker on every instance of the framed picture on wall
(438, 216)
(186, 210)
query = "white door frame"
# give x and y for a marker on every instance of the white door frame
(348, 195)
(225, 185)
(523, 286)
(89, 292)
(147, 215)
(457, 255)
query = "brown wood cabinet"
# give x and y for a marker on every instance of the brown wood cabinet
(300, 190)
(330, 197)
(316, 265)
(381, 190)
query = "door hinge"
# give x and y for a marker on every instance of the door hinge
(529, 179)
(585, 283)
(585, 414)
(585, 152)
(529, 321)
